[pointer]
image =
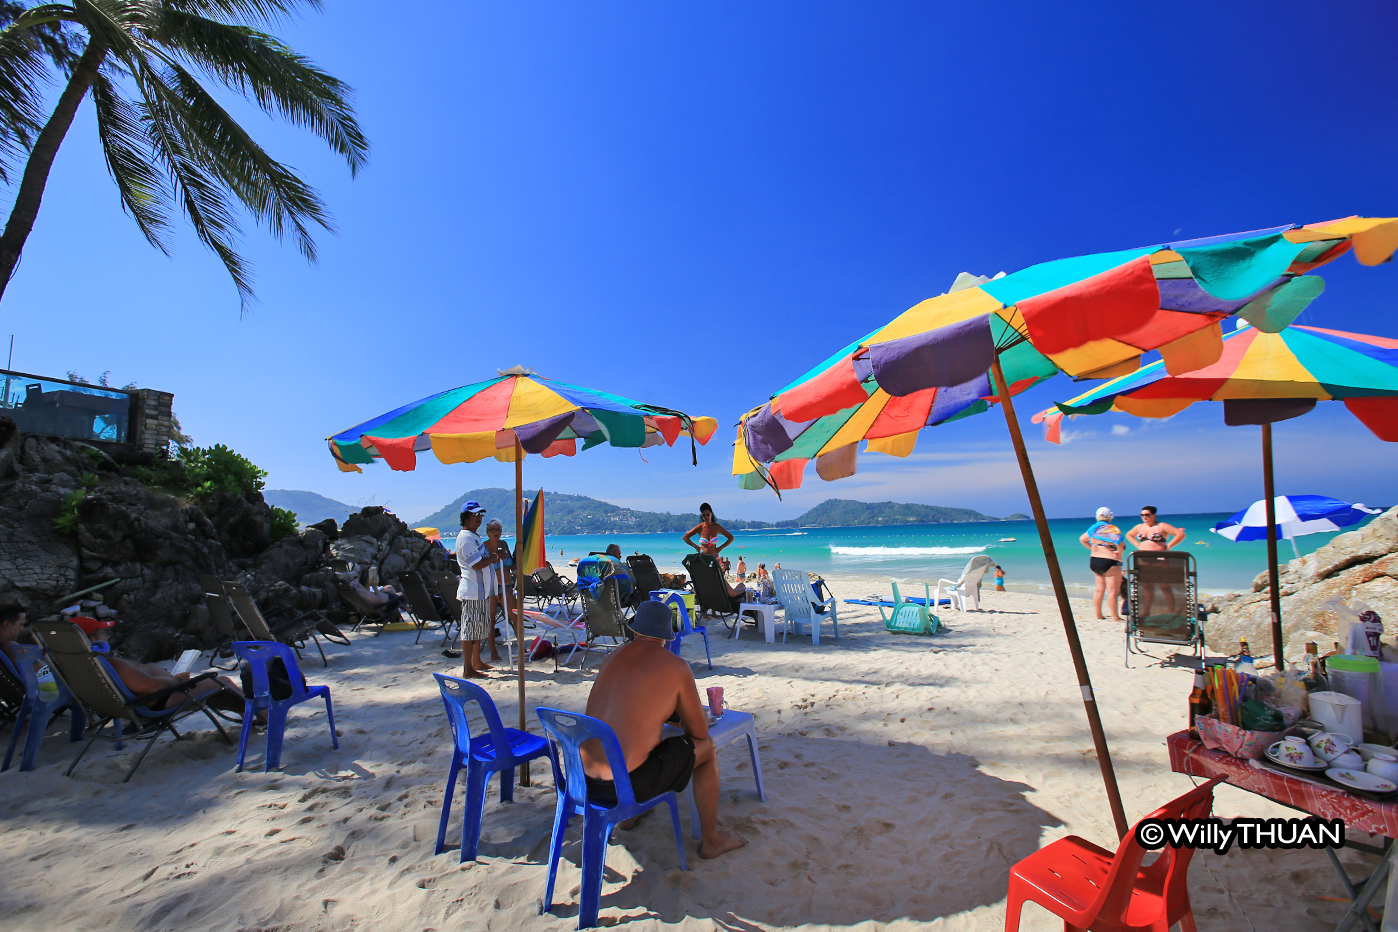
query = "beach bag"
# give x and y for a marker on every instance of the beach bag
(278, 680)
(540, 649)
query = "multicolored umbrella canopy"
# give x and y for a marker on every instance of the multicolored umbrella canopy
(1090, 316)
(1298, 363)
(483, 420)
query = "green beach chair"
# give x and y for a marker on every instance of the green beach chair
(910, 617)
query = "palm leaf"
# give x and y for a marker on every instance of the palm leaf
(144, 193)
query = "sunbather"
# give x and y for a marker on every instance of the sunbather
(638, 688)
(143, 679)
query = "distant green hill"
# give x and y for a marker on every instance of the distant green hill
(309, 507)
(573, 514)
(840, 512)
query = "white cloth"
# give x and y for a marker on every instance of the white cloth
(475, 584)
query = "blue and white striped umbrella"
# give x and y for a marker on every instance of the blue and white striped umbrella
(1297, 515)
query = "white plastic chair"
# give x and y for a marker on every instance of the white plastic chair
(798, 604)
(967, 588)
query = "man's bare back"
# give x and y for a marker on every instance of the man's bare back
(638, 688)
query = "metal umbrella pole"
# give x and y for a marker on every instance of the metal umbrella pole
(519, 598)
(1065, 610)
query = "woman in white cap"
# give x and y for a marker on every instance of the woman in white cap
(1106, 543)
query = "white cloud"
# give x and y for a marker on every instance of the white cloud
(1120, 430)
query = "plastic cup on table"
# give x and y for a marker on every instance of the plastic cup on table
(716, 701)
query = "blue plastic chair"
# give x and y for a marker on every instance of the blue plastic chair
(38, 707)
(566, 732)
(497, 750)
(258, 654)
(674, 598)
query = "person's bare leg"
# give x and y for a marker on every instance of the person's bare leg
(705, 781)
(470, 656)
(1098, 589)
(490, 634)
(1113, 585)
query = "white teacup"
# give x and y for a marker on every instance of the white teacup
(1350, 760)
(1367, 751)
(1329, 745)
(1295, 751)
(1384, 766)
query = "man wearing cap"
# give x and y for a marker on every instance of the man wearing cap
(475, 589)
(638, 688)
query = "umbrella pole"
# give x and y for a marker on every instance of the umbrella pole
(519, 598)
(1269, 490)
(1065, 610)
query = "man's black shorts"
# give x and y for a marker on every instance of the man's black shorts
(668, 767)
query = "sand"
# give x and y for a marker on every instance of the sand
(904, 777)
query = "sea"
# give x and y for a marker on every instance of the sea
(923, 553)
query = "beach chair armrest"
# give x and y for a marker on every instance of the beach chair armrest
(949, 582)
(162, 694)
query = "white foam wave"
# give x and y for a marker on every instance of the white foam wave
(902, 551)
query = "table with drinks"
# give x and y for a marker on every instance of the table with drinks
(1250, 729)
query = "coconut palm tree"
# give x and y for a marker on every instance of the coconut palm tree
(166, 138)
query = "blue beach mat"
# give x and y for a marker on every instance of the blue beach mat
(889, 604)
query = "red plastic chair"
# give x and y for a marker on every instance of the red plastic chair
(1089, 888)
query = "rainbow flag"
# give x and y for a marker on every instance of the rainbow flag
(531, 555)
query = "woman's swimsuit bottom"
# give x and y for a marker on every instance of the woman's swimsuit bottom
(1102, 565)
(667, 768)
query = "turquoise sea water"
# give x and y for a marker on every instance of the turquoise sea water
(926, 552)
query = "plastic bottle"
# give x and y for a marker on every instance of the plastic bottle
(1314, 679)
(1244, 664)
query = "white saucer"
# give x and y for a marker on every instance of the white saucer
(1360, 780)
(1283, 762)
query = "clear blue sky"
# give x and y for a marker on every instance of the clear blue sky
(691, 203)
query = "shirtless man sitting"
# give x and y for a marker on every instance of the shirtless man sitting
(145, 679)
(638, 688)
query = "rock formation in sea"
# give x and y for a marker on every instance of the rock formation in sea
(1357, 566)
(72, 516)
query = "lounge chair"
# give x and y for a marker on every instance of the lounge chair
(556, 587)
(369, 613)
(604, 618)
(446, 588)
(967, 588)
(420, 604)
(710, 588)
(646, 576)
(293, 631)
(1162, 601)
(799, 604)
(36, 707)
(92, 681)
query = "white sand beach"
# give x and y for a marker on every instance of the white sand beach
(904, 777)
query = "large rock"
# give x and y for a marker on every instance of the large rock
(1357, 566)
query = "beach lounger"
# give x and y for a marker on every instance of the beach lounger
(797, 599)
(216, 601)
(646, 576)
(1162, 601)
(381, 615)
(911, 616)
(36, 707)
(967, 588)
(710, 588)
(93, 682)
(556, 587)
(446, 587)
(603, 617)
(293, 631)
(420, 604)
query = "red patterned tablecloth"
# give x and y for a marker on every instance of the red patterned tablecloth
(1187, 755)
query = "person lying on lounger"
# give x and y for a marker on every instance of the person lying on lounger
(143, 679)
(638, 688)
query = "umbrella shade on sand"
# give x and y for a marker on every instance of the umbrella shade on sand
(1296, 516)
(988, 339)
(506, 418)
(1262, 378)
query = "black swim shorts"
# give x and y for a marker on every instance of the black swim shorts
(668, 767)
(1102, 565)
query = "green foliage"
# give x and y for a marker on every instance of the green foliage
(283, 523)
(67, 520)
(219, 469)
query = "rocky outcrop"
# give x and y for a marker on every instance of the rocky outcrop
(1357, 566)
(157, 544)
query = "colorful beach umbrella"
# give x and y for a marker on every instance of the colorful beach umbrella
(1090, 316)
(988, 339)
(506, 418)
(1262, 378)
(1296, 516)
(486, 419)
(530, 554)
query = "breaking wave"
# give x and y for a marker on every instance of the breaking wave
(901, 551)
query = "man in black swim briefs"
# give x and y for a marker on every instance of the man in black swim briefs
(638, 688)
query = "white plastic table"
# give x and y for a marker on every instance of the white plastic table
(767, 616)
(727, 728)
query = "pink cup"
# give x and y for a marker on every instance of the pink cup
(715, 701)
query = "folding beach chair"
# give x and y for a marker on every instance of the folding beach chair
(92, 681)
(293, 631)
(645, 574)
(420, 604)
(1162, 601)
(710, 588)
(603, 617)
(446, 587)
(369, 613)
(553, 586)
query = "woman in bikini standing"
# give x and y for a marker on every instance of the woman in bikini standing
(1106, 544)
(1153, 534)
(709, 532)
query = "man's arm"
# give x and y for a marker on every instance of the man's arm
(693, 718)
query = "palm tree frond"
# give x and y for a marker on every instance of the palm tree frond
(265, 11)
(24, 76)
(145, 195)
(277, 77)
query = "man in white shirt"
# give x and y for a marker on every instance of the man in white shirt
(475, 589)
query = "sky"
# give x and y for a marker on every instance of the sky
(693, 203)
